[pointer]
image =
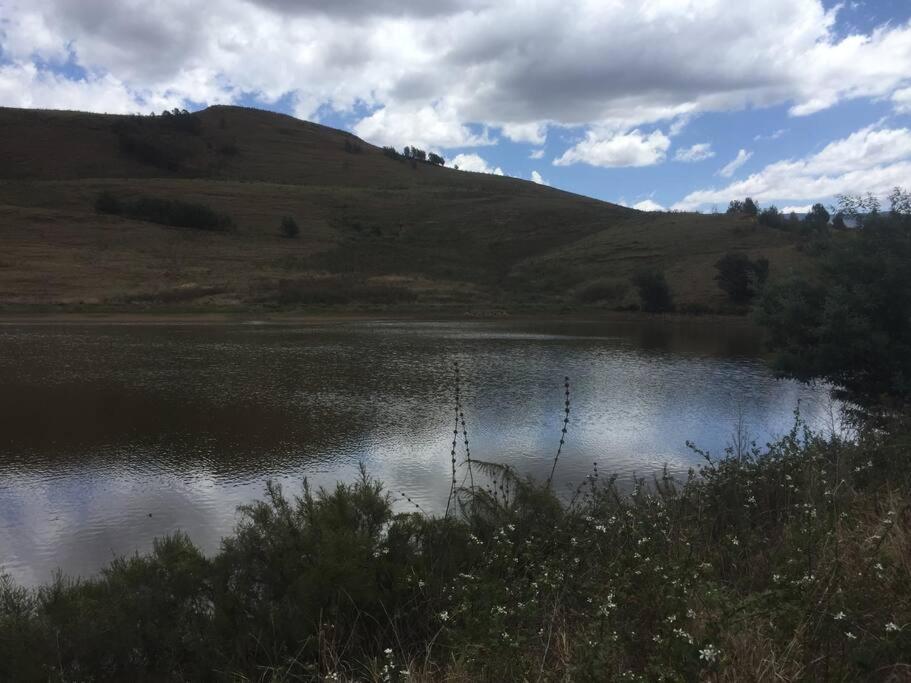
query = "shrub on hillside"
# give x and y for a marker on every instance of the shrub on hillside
(150, 150)
(173, 212)
(771, 217)
(740, 277)
(289, 227)
(654, 292)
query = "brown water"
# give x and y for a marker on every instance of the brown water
(114, 434)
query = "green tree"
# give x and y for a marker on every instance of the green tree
(740, 277)
(735, 207)
(818, 216)
(771, 217)
(654, 292)
(289, 227)
(749, 207)
(851, 327)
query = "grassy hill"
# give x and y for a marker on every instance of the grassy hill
(374, 230)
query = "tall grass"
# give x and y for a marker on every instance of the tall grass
(789, 562)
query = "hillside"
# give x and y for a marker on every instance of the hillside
(374, 231)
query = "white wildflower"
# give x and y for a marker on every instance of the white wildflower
(709, 653)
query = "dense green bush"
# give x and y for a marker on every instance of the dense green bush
(654, 292)
(741, 277)
(150, 150)
(289, 227)
(172, 212)
(850, 323)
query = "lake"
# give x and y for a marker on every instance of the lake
(114, 434)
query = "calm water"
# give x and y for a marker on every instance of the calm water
(115, 434)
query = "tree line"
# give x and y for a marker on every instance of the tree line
(415, 154)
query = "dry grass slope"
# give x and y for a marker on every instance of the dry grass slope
(371, 226)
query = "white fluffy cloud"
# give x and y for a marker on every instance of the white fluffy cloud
(475, 163)
(618, 149)
(872, 159)
(901, 100)
(533, 133)
(430, 126)
(537, 178)
(731, 167)
(697, 152)
(536, 154)
(648, 205)
(452, 63)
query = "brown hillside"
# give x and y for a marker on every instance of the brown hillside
(373, 230)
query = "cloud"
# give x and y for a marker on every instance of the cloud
(803, 208)
(771, 136)
(872, 159)
(24, 85)
(901, 100)
(697, 152)
(430, 126)
(648, 205)
(534, 133)
(730, 168)
(536, 178)
(459, 62)
(475, 163)
(536, 154)
(621, 149)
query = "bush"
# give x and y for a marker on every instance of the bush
(171, 212)
(654, 292)
(740, 277)
(150, 150)
(771, 217)
(289, 227)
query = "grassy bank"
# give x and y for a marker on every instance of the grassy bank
(789, 563)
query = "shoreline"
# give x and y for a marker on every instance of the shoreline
(253, 316)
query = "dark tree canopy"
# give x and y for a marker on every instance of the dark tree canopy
(851, 326)
(818, 216)
(771, 217)
(289, 227)
(654, 292)
(740, 277)
(749, 207)
(736, 206)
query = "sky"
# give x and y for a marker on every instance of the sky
(657, 104)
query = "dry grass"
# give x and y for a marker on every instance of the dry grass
(467, 236)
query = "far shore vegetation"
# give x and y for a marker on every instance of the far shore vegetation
(785, 561)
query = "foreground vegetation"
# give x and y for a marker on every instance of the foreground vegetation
(790, 563)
